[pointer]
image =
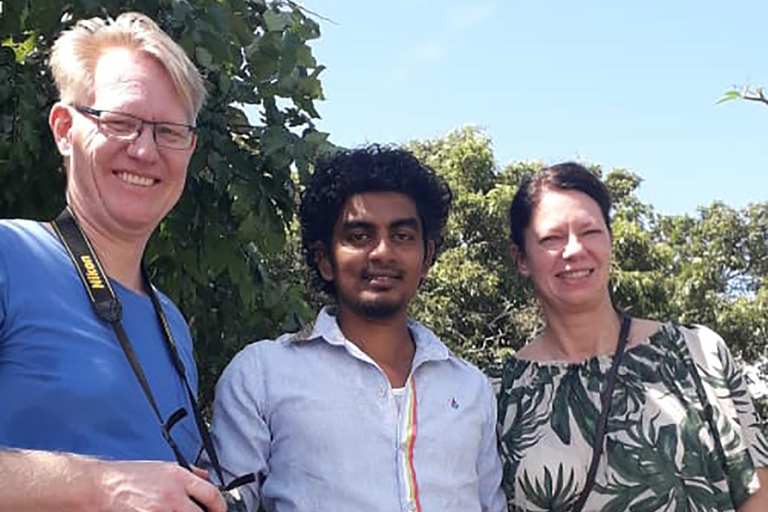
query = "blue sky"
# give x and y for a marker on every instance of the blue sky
(619, 83)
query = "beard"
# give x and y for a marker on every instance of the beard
(374, 308)
(377, 309)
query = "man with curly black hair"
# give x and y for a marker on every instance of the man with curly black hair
(366, 409)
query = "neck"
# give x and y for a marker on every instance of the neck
(120, 257)
(577, 336)
(387, 341)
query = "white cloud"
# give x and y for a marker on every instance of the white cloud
(428, 52)
(459, 17)
(469, 14)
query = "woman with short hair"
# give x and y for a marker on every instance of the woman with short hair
(601, 411)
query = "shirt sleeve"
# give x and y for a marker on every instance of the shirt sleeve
(240, 433)
(737, 422)
(3, 297)
(492, 498)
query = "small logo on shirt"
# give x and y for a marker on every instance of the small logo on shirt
(454, 403)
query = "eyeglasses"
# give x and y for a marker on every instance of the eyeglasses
(127, 128)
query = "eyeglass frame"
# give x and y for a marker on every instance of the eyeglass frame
(96, 113)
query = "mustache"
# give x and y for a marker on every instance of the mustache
(371, 272)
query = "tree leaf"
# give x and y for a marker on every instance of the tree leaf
(733, 94)
(203, 57)
(277, 21)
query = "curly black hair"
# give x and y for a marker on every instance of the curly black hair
(372, 168)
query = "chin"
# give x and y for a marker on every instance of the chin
(378, 309)
(137, 220)
(583, 303)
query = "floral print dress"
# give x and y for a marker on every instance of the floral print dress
(660, 452)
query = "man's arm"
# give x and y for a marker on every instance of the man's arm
(489, 467)
(240, 432)
(44, 481)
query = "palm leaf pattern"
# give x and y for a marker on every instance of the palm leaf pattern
(558, 495)
(660, 449)
(522, 426)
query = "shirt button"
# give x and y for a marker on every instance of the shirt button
(382, 392)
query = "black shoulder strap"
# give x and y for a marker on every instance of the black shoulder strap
(97, 285)
(108, 308)
(602, 422)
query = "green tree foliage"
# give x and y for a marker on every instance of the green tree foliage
(471, 298)
(709, 268)
(214, 253)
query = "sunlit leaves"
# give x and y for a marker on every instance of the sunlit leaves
(213, 253)
(710, 268)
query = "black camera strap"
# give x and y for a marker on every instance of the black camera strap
(108, 308)
(602, 422)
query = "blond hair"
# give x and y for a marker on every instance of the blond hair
(77, 50)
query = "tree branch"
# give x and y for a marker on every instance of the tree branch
(756, 95)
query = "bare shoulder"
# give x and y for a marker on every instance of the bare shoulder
(642, 329)
(531, 351)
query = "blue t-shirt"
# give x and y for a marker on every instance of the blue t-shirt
(65, 382)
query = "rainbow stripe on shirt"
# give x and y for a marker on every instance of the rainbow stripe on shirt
(409, 441)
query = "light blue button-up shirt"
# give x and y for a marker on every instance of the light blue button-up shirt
(316, 420)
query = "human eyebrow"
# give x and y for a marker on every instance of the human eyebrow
(410, 222)
(351, 225)
(549, 232)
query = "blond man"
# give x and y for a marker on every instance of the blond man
(77, 430)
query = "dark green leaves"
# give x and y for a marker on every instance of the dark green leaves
(556, 494)
(214, 253)
(276, 21)
(571, 399)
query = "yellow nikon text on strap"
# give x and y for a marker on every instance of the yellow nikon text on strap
(91, 274)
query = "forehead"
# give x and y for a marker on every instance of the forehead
(556, 207)
(137, 83)
(377, 208)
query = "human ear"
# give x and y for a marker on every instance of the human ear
(518, 256)
(429, 257)
(60, 121)
(323, 260)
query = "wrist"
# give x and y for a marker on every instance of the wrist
(92, 494)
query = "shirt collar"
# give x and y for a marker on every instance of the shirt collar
(428, 345)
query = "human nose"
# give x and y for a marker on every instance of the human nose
(144, 145)
(572, 246)
(382, 249)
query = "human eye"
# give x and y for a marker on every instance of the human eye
(171, 133)
(119, 124)
(357, 237)
(404, 235)
(551, 241)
